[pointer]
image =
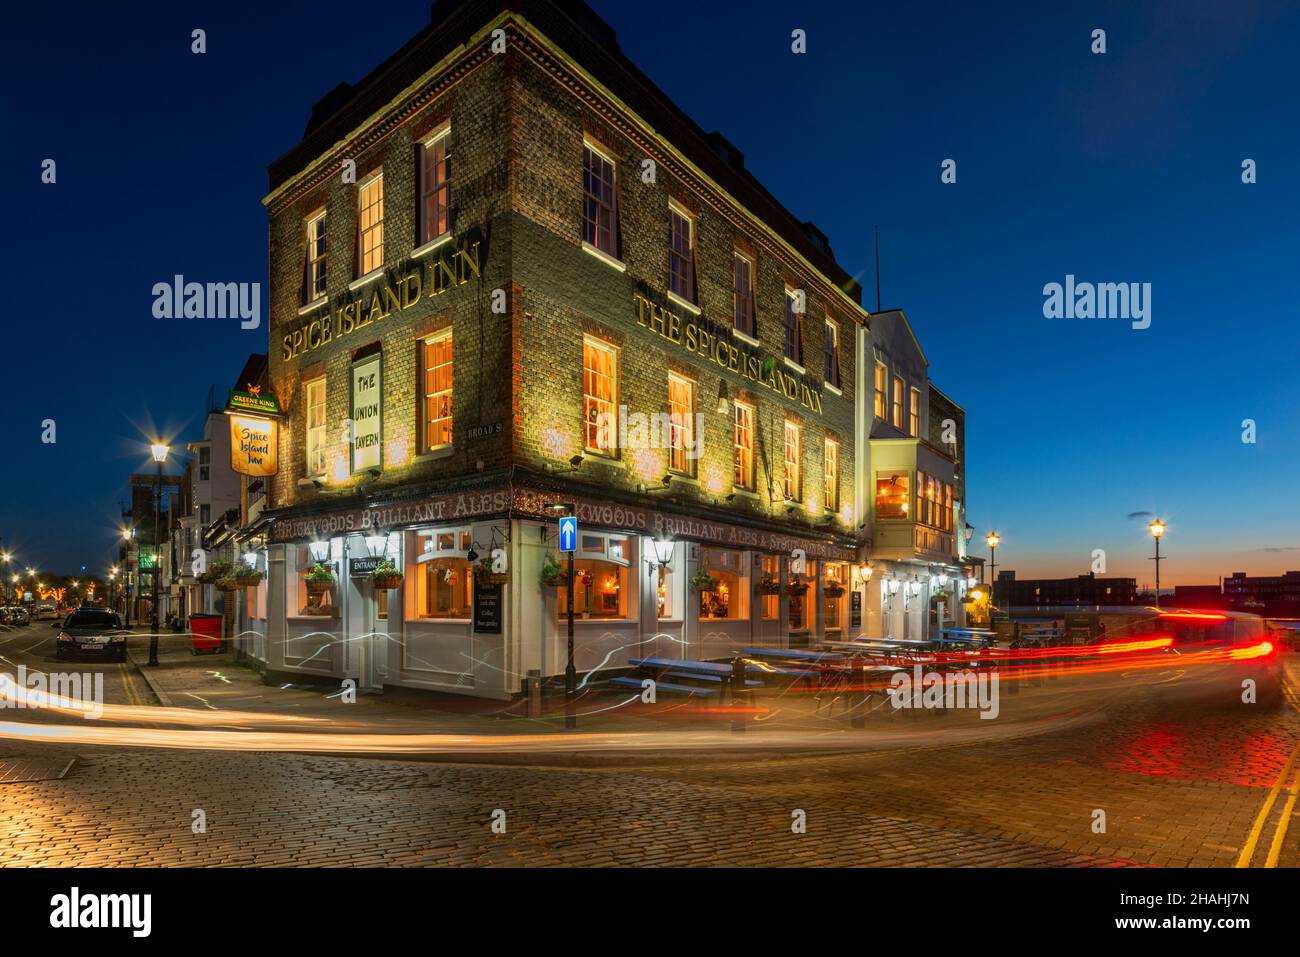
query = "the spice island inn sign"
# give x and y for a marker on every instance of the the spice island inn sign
(394, 293)
(707, 339)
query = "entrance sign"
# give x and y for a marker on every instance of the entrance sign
(568, 533)
(367, 414)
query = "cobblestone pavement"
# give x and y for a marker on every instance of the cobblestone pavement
(1178, 787)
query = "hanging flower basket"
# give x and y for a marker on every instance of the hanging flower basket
(769, 586)
(553, 574)
(218, 571)
(796, 587)
(703, 581)
(245, 576)
(227, 584)
(484, 571)
(833, 590)
(386, 575)
(320, 581)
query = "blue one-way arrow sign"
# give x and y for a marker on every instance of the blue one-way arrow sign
(568, 533)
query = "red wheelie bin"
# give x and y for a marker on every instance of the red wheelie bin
(205, 630)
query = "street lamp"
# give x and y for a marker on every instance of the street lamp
(159, 451)
(1157, 529)
(993, 540)
(570, 670)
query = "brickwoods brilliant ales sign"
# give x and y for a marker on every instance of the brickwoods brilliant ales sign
(392, 294)
(701, 338)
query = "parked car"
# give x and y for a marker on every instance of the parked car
(92, 631)
(18, 615)
(44, 610)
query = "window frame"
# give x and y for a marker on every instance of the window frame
(371, 182)
(589, 175)
(831, 355)
(831, 474)
(738, 300)
(426, 423)
(897, 418)
(881, 404)
(319, 431)
(792, 427)
(612, 402)
(686, 431)
(749, 481)
(678, 212)
(441, 137)
(914, 411)
(792, 333)
(317, 264)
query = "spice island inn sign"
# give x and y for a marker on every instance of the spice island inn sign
(393, 294)
(700, 337)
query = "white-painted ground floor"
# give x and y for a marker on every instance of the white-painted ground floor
(455, 625)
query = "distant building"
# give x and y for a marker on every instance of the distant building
(1081, 590)
(1274, 596)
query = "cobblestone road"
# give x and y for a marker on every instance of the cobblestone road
(1178, 788)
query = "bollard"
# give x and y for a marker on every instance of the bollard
(533, 691)
(737, 693)
(859, 719)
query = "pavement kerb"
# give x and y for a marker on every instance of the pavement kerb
(164, 699)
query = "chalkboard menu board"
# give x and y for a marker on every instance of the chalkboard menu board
(487, 608)
(855, 609)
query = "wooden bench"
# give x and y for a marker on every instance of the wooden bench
(665, 686)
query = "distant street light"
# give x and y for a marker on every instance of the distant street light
(159, 451)
(993, 540)
(1157, 529)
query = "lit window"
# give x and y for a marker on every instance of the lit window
(437, 392)
(681, 425)
(833, 592)
(600, 221)
(742, 295)
(681, 254)
(744, 447)
(893, 496)
(315, 416)
(934, 502)
(769, 587)
(599, 389)
(831, 489)
(831, 354)
(882, 378)
(315, 600)
(435, 187)
(793, 457)
(600, 583)
(914, 412)
(793, 344)
(898, 401)
(370, 223)
(314, 277)
(728, 599)
(443, 576)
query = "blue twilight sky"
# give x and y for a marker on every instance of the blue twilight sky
(1123, 167)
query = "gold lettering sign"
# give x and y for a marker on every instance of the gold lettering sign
(723, 352)
(254, 446)
(384, 298)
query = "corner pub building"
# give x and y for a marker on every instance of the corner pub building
(508, 275)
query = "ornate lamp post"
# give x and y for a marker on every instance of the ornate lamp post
(1157, 529)
(993, 540)
(159, 451)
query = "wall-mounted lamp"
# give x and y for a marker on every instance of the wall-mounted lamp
(377, 545)
(574, 462)
(724, 404)
(320, 551)
(663, 551)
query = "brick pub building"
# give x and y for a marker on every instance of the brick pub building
(507, 273)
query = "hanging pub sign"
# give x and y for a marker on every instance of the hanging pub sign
(254, 449)
(252, 401)
(367, 413)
